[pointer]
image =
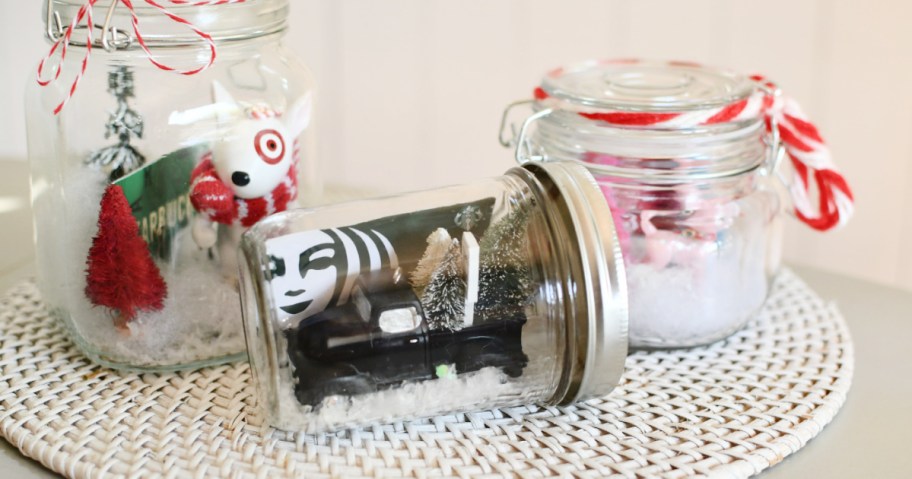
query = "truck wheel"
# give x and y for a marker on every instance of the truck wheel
(513, 370)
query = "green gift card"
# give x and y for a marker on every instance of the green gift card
(159, 195)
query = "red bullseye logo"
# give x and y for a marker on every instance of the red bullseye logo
(270, 146)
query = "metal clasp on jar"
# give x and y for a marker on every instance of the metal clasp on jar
(774, 144)
(523, 150)
(111, 37)
(772, 167)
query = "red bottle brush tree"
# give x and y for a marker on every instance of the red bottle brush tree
(121, 274)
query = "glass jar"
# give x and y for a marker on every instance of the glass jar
(500, 292)
(144, 179)
(698, 216)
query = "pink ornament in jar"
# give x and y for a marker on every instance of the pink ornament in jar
(691, 160)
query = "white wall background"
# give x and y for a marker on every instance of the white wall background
(412, 90)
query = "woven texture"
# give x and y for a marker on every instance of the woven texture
(727, 410)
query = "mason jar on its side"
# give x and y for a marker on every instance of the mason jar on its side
(143, 179)
(499, 292)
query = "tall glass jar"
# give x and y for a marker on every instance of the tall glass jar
(498, 292)
(144, 180)
(697, 213)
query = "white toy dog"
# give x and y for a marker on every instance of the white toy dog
(250, 173)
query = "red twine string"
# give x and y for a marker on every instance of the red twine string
(84, 17)
(85, 12)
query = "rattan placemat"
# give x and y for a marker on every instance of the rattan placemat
(727, 410)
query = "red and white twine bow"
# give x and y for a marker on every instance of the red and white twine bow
(84, 17)
(803, 144)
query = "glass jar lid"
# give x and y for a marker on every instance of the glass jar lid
(642, 85)
(620, 116)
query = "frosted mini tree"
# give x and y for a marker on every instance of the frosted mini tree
(444, 297)
(438, 244)
(124, 123)
(505, 282)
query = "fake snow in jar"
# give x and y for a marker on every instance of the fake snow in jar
(691, 160)
(143, 178)
(500, 292)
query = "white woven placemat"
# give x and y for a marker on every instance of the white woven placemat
(728, 410)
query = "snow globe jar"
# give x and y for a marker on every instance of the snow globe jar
(690, 158)
(155, 141)
(500, 292)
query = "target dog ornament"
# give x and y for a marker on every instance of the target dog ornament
(251, 171)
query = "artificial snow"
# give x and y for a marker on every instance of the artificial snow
(691, 304)
(73, 216)
(486, 388)
(200, 321)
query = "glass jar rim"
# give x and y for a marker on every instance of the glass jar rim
(671, 155)
(222, 22)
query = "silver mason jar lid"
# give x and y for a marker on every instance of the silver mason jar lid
(596, 304)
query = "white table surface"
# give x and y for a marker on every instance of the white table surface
(868, 438)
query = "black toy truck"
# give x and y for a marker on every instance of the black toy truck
(381, 338)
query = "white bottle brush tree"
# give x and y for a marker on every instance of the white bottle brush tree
(444, 297)
(123, 123)
(438, 244)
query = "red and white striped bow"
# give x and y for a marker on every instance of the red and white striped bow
(800, 139)
(84, 17)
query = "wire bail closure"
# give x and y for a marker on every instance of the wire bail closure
(776, 149)
(112, 38)
(773, 138)
(523, 148)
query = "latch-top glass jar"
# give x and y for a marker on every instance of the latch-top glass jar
(685, 155)
(143, 179)
(500, 292)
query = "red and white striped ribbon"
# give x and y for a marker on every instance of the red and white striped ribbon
(810, 157)
(84, 17)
